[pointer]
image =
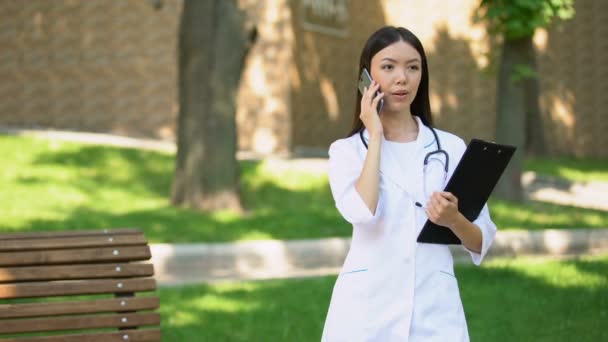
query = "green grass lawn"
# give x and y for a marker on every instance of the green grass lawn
(571, 169)
(505, 300)
(514, 300)
(50, 185)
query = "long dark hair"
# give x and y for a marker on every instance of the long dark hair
(380, 39)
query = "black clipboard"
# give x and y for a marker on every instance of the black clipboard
(472, 182)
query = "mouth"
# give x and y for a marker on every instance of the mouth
(401, 93)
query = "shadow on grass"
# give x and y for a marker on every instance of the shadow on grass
(278, 213)
(284, 310)
(107, 187)
(142, 172)
(130, 188)
(563, 167)
(502, 304)
(553, 304)
(297, 216)
(535, 215)
(595, 269)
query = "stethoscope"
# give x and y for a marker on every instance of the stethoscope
(438, 151)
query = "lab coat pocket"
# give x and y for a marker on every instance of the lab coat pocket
(447, 302)
(445, 282)
(354, 283)
(351, 296)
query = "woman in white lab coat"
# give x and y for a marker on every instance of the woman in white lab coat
(392, 288)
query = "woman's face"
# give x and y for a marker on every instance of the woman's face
(398, 70)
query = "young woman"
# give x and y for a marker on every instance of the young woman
(392, 288)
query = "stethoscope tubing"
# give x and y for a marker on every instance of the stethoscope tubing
(439, 150)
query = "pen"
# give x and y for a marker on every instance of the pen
(420, 205)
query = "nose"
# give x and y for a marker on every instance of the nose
(402, 76)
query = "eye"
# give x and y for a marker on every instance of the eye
(414, 67)
(387, 67)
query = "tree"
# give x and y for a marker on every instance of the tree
(518, 114)
(214, 39)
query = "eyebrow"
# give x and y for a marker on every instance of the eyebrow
(395, 61)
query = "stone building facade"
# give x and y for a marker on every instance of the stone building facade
(110, 66)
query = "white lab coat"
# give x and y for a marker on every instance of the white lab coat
(392, 288)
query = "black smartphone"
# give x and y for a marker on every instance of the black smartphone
(365, 80)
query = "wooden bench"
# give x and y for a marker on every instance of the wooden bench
(44, 277)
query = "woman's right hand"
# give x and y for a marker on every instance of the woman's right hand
(369, 109)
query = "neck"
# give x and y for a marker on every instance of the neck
(400, 128)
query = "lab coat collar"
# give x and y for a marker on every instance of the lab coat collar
(424, 140)
(390, 166)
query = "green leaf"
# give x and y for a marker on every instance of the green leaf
(519, 18)
(522, 72)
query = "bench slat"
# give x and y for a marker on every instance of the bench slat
(15, 245)
(36, 235)
(74, 256)
(78, 307)
(52, 234)
(114, 270)
(143, 335)
(78, 287)
(124, 320)
(70, 263)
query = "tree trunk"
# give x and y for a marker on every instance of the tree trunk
(213, 43)
(535, 136)
(511, 119)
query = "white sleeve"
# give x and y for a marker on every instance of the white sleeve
(488, 232)
(344, 170)
(483, 221)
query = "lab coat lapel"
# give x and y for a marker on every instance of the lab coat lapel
(389, 166)
(410, 179)
(425, 144)
(413, 176)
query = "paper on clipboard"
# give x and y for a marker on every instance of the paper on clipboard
(472, 182)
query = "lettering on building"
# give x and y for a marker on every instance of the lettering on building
(325, 16)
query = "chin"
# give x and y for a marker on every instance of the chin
(397, 107)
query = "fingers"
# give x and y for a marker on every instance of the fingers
(449, 196)
(442, 208)
(370, 91)
(438, 201)
(377, 99)
(369, 114)
(433, 209)
(444, 198)
(373, 95)
(432, 214)
(440, 204)
(373, 87)
(370, 100)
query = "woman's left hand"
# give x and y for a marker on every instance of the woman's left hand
(442, 209)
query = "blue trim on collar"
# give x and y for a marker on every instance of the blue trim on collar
(431, 143)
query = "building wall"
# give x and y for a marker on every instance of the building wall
(264, 107)
(573, 67)
(327, 69)
(110, 66)
(95, 65)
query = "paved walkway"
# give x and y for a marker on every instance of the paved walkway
(177, 264)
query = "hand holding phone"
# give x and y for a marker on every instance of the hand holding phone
(365, 80)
